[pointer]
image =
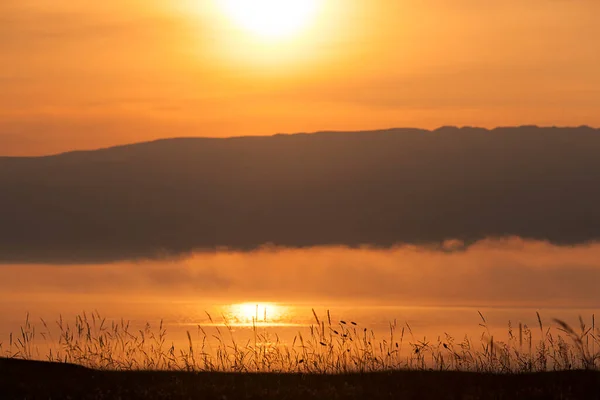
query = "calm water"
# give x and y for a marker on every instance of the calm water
(285, 320)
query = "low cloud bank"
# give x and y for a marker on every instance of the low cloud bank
(509, 272)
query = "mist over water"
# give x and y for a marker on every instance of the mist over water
(432, 290)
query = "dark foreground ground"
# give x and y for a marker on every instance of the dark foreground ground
(39, 380)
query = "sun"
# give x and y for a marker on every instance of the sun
(271, 19)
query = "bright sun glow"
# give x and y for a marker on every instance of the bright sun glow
(271, 18)
(255, 312)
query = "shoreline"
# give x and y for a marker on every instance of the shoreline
(24, 379)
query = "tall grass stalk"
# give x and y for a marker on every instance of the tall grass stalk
(331, 346)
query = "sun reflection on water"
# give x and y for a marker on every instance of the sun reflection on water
(257, 313)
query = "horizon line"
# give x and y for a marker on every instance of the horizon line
(287, 134)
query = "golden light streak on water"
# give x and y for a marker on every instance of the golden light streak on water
(249, 313)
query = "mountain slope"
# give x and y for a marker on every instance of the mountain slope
(351, 188)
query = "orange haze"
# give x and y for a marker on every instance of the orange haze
(505, 273)
(77, 75)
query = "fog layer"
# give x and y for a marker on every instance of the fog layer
(509, 272)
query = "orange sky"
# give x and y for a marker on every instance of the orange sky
(86, 74)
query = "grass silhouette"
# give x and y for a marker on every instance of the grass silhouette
(329, 347)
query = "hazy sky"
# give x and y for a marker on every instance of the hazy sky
(86, 74)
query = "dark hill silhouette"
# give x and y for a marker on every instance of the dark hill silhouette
(380, 188)
(20, 379)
